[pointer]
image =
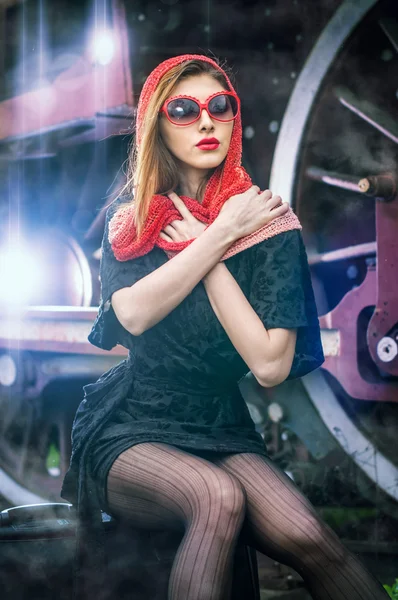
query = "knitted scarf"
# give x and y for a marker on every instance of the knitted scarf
(228, 180)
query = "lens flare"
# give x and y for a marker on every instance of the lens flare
(20, 275)
(103, 47)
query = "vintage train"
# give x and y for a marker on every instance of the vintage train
(66, 119)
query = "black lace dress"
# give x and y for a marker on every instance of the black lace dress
(179, 384)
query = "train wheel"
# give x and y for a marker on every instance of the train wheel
(338, 128)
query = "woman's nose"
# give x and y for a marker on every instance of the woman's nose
(205, 119)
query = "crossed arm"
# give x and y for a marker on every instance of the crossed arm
(268, 353)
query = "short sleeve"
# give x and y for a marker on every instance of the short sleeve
(281, 294)
(107, 331)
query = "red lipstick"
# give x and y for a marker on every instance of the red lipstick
(208, 144)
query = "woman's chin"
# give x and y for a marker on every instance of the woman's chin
(203, 163)
(210, 162)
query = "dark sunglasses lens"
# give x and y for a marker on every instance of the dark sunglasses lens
(182, 111)
(223, 107)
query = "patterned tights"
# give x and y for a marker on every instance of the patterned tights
(157, 485)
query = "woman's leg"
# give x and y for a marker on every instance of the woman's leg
(283, 525)
(156, 486)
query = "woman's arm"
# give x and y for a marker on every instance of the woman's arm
(268, 353)
(153, 297)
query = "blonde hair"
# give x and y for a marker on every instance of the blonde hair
(152, 168)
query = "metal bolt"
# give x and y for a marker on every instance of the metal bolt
(387, 349)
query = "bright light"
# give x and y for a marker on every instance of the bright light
(103, 47)
(8, 371)
(20, 276)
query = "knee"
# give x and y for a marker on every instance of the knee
(226, 500)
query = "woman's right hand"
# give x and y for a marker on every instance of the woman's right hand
(245, 213)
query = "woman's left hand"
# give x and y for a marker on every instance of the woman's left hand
(186, 229)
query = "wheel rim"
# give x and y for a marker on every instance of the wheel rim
(289, 178)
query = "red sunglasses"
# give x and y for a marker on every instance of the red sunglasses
(185, 110)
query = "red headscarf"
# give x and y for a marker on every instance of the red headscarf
(229, 180)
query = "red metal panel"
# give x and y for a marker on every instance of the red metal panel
(385, 316)
(344, 366)
(78, 93)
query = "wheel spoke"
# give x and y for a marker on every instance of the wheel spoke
(345, 182)
(367, 111)
(350, 252)
(390, 28)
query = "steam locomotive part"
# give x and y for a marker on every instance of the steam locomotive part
(345, 196)
(104, 108)
(46, 352)
(362, 190)
(382, 187)
(39, 392)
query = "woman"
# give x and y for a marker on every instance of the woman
(165, 439)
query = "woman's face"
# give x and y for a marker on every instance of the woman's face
(182, 140)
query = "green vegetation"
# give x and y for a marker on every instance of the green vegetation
(338, 516)
(392, 591)
(53, 459)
